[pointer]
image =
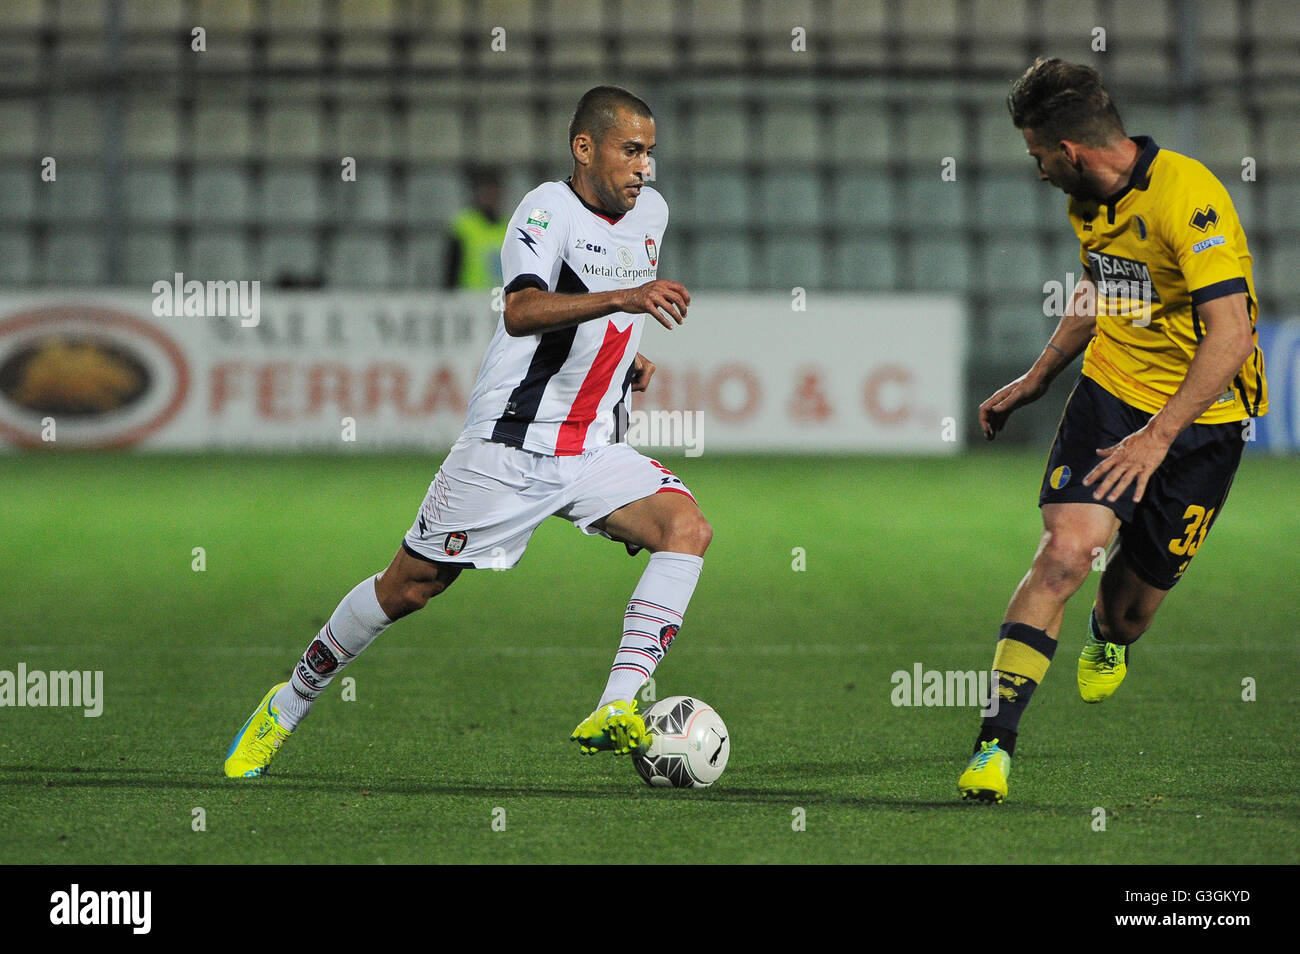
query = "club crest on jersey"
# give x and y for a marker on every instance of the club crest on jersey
(454, 543)
(651, 250)
(667, 635)
(1140, 224)
(1204, 219)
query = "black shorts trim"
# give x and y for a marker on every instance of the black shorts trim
(421, 556)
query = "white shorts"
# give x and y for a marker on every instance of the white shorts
(487, 498)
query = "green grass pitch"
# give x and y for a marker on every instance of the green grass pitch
(466, 707)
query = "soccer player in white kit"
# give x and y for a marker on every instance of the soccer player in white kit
(579, 263)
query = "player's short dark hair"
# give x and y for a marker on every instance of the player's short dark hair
(598, 111)
(1060, 100)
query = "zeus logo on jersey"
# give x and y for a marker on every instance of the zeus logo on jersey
(1119, 277)
(591, 247)
(527, 240)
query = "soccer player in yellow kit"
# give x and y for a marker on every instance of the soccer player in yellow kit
(1154, 429)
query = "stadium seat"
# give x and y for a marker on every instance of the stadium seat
(723, 261)
(938, 264)
(364, 131)
(790, 132)
(76, 126)
(435, 133)
(220, 253)
(22, 13)
(866, 198)
(1280, 203)
(1008, 198)
(220, 131)
(861, 131)
(718, 133)
(226, 16)
(290, 255)
(1017, 327)
(929, 202)
(17, 193)
(17, 264)
(295, 14)
(149, 254)
(796, 259)
(153, 15)
(865, 264)
(289, 195)
(1281, 132)
(367, 200)
(359, 261)
(1012, 263)
(152, 195)
(219, 194)
(720, 197)
(78, 194)
(425, 261)
(74, 256)
(791, 199)
(291, 132)
(435, 195)
(152, 131)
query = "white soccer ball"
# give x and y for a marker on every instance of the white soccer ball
(689, 744)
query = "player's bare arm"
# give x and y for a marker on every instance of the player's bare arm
(1072, 335)
(1228, 342)
(531, 311)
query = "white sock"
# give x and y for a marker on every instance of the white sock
(654, 615)
(356, 623)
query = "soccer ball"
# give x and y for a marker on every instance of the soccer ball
(689, 744)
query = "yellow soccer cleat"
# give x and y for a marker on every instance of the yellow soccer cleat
(1102, 667)
(985, 778)
(258, 741)
(614, 727)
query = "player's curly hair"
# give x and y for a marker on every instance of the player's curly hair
(598, 111)
(1060, 100)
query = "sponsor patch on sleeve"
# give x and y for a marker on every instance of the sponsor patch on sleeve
(1202, 245)
(539, 217)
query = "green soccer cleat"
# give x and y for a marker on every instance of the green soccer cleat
(1102, 667)
(614, 727)
(258, 741)
(985, 778)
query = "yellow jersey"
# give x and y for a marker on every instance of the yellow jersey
(1170, 240)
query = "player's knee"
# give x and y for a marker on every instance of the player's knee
(689, 533)
(1065, 560)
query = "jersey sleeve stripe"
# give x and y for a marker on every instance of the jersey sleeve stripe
(1229, 286)
(525, 281)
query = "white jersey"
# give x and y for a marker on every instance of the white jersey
(559, 393)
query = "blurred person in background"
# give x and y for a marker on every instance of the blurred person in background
(476, 235)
